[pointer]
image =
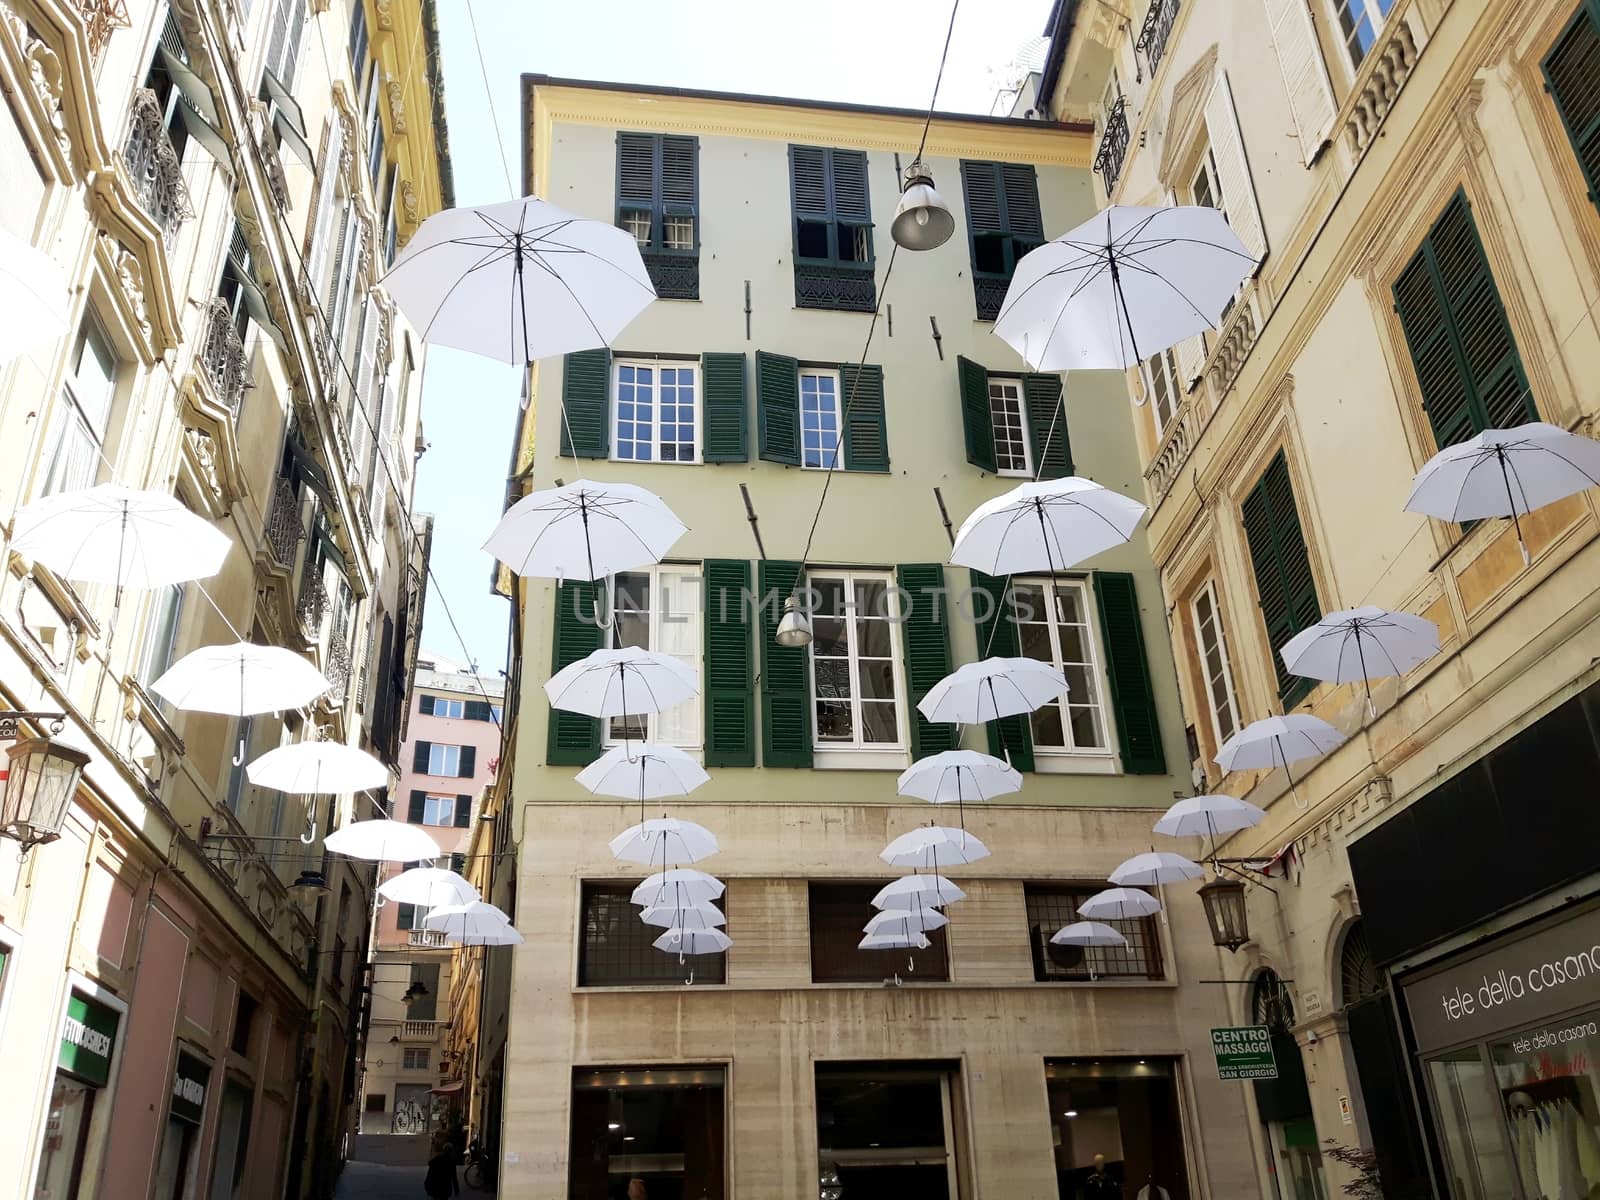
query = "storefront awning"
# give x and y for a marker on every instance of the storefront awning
(449, 1089)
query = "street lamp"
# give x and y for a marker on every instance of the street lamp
(795, 627)
(309, 885)
(415, 992)
(1226, 913)
(41, 780)
(923, 220)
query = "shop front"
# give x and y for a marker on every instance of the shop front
(83, 1069)
(176, 1168)
(1117, 1129)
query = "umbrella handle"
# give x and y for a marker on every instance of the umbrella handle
(911, 963)
(238, 754)
(309, 837)
(689, 982)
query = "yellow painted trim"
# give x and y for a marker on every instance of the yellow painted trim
(400, 55)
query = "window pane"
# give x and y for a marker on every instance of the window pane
(812, 237)
(94, 377)
(819, 419)
(637, 222)
(878, 725)
(833, 678)
(636, 418)
(833, 722)
(1050, 908)
(877, 679)
(679, 233)
(873, 639)
(1129, 1107)
(828, 636)
(1010, 441)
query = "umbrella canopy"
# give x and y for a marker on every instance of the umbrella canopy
(240, 679)
(466, 917)
(1119, 904)
(629, 682)
(1361, 644)
(643, 771)
(383, 841)
(911, 892)
(111, 534)
(429, 887)
(1045, 526)
(33, 297)
(1087, 933)
(584, 530)
(314, 768)
(916, 920)
(992, 688)
(932, 847)
(1126, 284)
(684, 916)
(902, 940)
(1277, 742)
(498, 935)
(519, 281)
(958, 775)
(1156, 867)
(693, 941)
(1199, 816)
(664, 840)
(681, 886)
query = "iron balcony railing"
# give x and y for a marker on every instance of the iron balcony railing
(313, 604)
(426, 937)
(1113, 149)
(154, 166)
(336, 664)
(223, 354)
(284, 530)
(1157, 28)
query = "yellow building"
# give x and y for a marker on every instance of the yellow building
(181, 966)
(1418, 181)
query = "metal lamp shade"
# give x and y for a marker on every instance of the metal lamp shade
(1226, 913)
(923, 220)
(794, 629)
(41, 781)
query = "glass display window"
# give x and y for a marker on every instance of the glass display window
(1118, 1129)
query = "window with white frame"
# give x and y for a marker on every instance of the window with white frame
(855, 668)
(1204, 188)
(161, 635)
(498, 713)
(637, 222)
(1010, 422)
(657, 411)
(1054, 626)
(1214, 663)
(660, 609)
(1161, 373)
(415, 1059)
(1359, 23)
(438, 810)
(819, 417)
(449, 708)
(86, 397)
(444, 760)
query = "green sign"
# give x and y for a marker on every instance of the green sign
(87, 1037)
(1244, 1052)
(189, 1088)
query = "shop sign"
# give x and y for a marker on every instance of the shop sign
(1518, 982)
(189, 1088)
(87, 1037)
(1244, 1052)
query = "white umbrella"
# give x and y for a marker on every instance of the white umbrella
(429, 887)
(497, 935)
(992, 688)
(647, 771)
(1126, 284)
(916, 920)
(1199, 816)
(681, 885)
(116, 535)
(1277, 742)
(383, 841)
(911, 892)
(463, 918)
(312, 768)
(1361, 644)
(1049, 525)
(932, 847)
(956, 776)
(241, 679)
(1155, 868)
(1119, 904)
(684, 916)
(1505, 473)
(33, 297)
(693, 941)
(1087, 933)
(519, 281)
(904, 940)
(584, 530)
(663, 840)
(627, 682)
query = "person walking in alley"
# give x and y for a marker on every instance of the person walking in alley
(441, 1183)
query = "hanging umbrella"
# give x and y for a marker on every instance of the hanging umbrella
(519, 281)
(1277, 742)
(1119, 904)
(932, 847)
(648, 771)
(916, 920)
(429, 887)
(33, 297)
(911, 892)
(992, 688)
(500, 935)
(1199, 816)
(628, 682)
(956, 776)
(693, 941)
(681, 885)
(1505, 473)
(1361, 644)
(465, 918)
(313, 768)
(905, 940)
(239, 680)
(584, 530)
(111, 534)
(1153, 869)
(1126, 284)
(383, 841)
(1049, 525)
(684, 916)
(1087, 933)
(664, 840)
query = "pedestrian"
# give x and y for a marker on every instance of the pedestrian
(440, 1183)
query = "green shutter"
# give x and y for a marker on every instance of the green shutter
(1047, 426)
(1010, 738)
(778, 408)
(637, 178)
(925, 638)
(729, 706)
(1282, 565)
(722, 382)
(866, 438)
(1133, 695)
(976, 421)
(1572, 77)
(585, 401)
(574, 739)
(785, 674)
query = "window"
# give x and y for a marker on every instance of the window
(444, 760)
(425, 979)
(855, 669)
(660, 610)
(1574, 85)
(376, 1102)
(1285, 587)
(375, 154)
(888, 1129)
(415, 1058)
(358, 42)
(439, 810)
(1161, 373)
(1359, 22)
(88, 393)
(1010, 426)
(617, 949)
(819, 414)
(161, 638)
(391, 217)
(832, 229)
(658, 195)
(819, 418)
(1050, 907)
(1053, 626)
(1214, 663)
(1003, 223)
(409, 916)
(657, 413)
(448, 708)
(287, 22)
(664, 1124)
(1204, 190)
(1130, 1108)
(838, 912)
(498, 714)
(1013, 425)
(244, 1019)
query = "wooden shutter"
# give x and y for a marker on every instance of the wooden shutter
(1305, 75)
(808, 182)
(636, 178)
(477, 710)
(925, 638)
(778, 408)
(1572, 77)
(585, 401)
(361, 435)
(785, 674)
(1020, 188)
(419, 757)
(405, 916)
(573, 739)
(1282, 565)
(463, 811)
(723, 394)
(1010, 738)
(729, 710)
(425, 706)
(1233, 169)
(417, 809)
(866, 438)
(977, 424)
(1133, 697)
(278, 23)
(1047, 426)
(980, 183)
(322, 221)
(469, 762)
(848, 171)
(680, 178)
(296, 23)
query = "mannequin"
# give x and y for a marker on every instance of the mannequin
(1099, 1185)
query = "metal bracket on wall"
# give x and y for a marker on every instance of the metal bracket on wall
(938, 341)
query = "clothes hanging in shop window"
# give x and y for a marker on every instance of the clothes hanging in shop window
(1153, 1191)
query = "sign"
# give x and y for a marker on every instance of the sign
(1244, 1052)
(1519, 980)
(189, 1088)
(1345, 1115)
(88, 1036)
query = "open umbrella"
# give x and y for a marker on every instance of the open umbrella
(314, 768)
(681, 885)
(1087, 933)
(1119, 904)
(1048, 525)
(488, 935)
(900, 940)
(519, 281)
(991, 688)
(464, 918)
(1199, 816)
(684, 916)
(932, 847)
(916, 920)
(1361, 644)
(626, 682)
(664, 840)
(240, 679)
(646, 771)
(116, 535)
(33, 297)
(383, 841)
(1126, 284)
(429, 887)
(954, 776)
(584, 530)
(911, 892)
(1277, 742)
(1153, 869)
(692, 941)
(1505, 473)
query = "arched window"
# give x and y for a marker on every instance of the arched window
(1359, 976)
(1269, 1002)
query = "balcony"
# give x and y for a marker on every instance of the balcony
(313, 604)
(1158, 21)
(419, 1031)
(1387, 68)
(1113, 151)
(284, 530)
(430, 939)
(154, 166)
(675, 274)
(336, 663)
(222, 353)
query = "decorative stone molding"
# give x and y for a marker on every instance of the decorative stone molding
(1466, 116)
(397, 108)
(409, 201)
(347, 148)
(1234, 344)
(271, 158)
(1393, 60)
(1176, 442)
(385, 11)
(49, 83)
(1186, 116)
(210, 460)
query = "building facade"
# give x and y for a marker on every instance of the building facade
(1417, 181)
(180, 969)
(991, 1063)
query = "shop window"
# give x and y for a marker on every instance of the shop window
(1117, 1128)
(233, 1138)
(244, 1019)
(661, 1126)
(1474, 1135)
(83, 1067)
(617, 948)
(838, 912)
(1049, 908)
(888, 1129)
(175, 1170)
(1284, 1103)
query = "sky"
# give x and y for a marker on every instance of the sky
(863, 51)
